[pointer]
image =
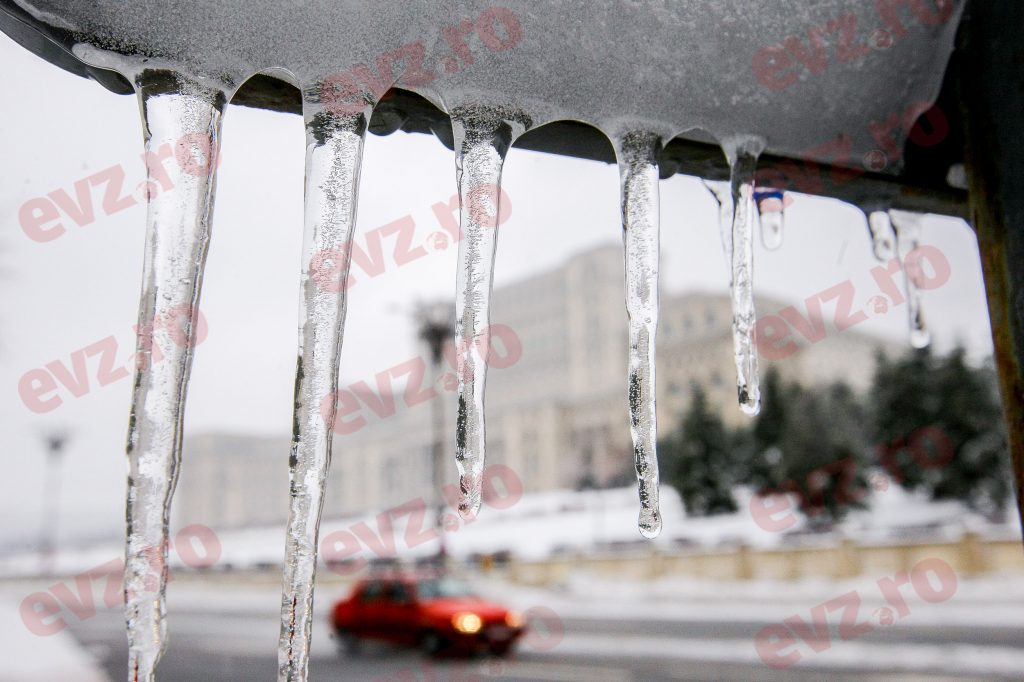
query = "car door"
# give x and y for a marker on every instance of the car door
(369, 607)
(400, 613)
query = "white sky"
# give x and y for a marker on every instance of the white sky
(65, 294)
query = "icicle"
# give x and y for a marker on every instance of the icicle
(882, 237)
(334, 147)
(638, 172)
(772, 213)
(908, 239)
(742, 154)
(186, 117)
(482, 137)
(722, 193)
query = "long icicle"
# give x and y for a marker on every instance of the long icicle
(180, 201)
(334, 148)
(742, 155)
(638, 174)
(482, 138)
(908, 238)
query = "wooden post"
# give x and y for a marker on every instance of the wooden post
(992, 101)
(744, 562)
(849, 559)
(971, 554)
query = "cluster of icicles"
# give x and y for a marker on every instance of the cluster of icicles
(178, 231)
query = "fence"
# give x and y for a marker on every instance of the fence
(970, 555)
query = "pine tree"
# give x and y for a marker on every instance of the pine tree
(697, 460)
(761, 456)
(904, 401)
(824, 452)
(809, 442)
(939, 427)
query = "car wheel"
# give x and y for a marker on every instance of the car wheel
(431, 643)
(348, 644)
(500, 649)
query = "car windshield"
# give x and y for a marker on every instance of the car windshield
(440, 588)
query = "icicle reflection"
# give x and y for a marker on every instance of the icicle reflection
(188, 117)
(638, 172)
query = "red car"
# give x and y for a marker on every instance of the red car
(438, 614)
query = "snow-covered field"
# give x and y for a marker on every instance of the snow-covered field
(539, 525)
(27, 657)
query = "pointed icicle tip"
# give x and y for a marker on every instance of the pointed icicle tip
(750, 405)
(649, 523)
(469, 505)
(920, 338)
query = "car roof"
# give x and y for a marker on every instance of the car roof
(404, 576)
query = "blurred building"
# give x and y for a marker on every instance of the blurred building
(232, 481)
(556, 413)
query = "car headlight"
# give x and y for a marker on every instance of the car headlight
(513, 619)
(467, 623)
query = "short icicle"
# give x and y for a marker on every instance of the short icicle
(187, 117)
(742, 155)
(722, 194)
(882, 236)
(637, 155)
(908, 238)
(334, 148)
(772, 213)
(483, 136)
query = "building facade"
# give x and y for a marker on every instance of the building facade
(556, 404)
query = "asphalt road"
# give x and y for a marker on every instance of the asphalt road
(218, 647)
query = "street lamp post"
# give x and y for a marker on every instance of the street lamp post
(51, 502)
(436, 324)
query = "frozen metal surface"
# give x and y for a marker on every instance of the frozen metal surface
(798, 73)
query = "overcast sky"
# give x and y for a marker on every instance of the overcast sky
(68, 293)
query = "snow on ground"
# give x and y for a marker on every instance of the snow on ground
(956, 659)
(564, 522)
(992, 601)
(28, 657)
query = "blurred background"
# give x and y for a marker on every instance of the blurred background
(868, 458)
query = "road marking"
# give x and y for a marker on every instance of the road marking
(558, 672)
(902, 657)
